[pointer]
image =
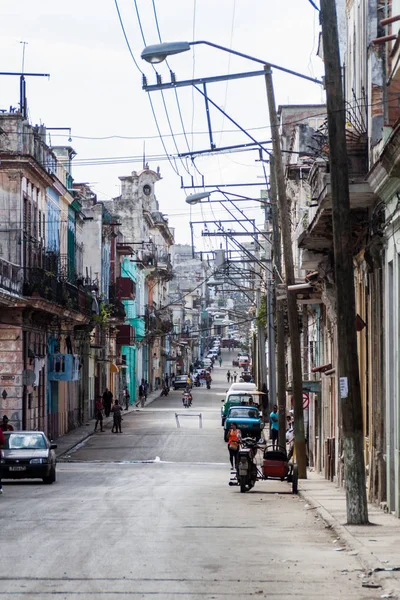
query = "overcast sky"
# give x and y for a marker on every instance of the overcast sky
(96, 89)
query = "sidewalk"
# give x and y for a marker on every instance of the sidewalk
(66, 442)
(377, 546)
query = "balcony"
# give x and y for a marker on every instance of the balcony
(126, 335)
(50, 282)
(318, 236)
(11, 277)
(118, 309)
(63, 367)
(125, 288)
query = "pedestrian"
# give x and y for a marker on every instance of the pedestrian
(2, 443)
(220, 361)
(228, 376)
(172, 379)
(126, 396)
(234, 438)
(234, 376)
(117, 417)
(99, 413)
(5, 425)
(142, 393)
(274, 419)
(167, 380)
(107, 402)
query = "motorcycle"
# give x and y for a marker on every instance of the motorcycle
(246, 466)
(208, 385)
(187, 399)
(164, 391)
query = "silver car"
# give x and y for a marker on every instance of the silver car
(28, 455)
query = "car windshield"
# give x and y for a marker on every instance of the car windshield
(243, 412)
(24, 441)
(240, 398)
(181, 378)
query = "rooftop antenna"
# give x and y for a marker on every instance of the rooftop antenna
(144, 154)
(24, 44)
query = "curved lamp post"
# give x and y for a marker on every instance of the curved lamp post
(158, 53)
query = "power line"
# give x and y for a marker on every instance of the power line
(314, 5)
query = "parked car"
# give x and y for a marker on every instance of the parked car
(28, 455)
(236, 398)
(181, 382)
(247, 419)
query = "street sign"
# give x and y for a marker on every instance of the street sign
(306, 400)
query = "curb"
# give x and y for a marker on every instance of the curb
(368, 560)
(107, 425)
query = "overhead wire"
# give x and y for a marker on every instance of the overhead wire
(175, 90)
(150, 100)
(162, 92)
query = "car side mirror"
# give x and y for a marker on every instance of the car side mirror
(53, 446)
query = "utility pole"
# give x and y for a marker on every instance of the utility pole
(279, 311)
(293, 318)
(350, 407)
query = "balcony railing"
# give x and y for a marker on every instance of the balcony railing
(118, 309)
(11, 277)
(50, 282)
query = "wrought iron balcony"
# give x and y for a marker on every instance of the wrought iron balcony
(11, 277)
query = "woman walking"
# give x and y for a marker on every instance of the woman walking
(234, 438)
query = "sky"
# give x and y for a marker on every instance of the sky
(95, 88)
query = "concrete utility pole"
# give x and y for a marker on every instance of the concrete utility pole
(293, 317)
(350, 395)
(279, 311)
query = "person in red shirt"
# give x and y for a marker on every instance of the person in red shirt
(2, 443)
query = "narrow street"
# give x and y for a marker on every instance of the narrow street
(149, 513)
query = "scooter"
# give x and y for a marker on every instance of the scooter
(246, 466)
(208, 385)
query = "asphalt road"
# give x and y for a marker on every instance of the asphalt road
(149, 514)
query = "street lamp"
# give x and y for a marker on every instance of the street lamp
(196, 198)
(157, 54)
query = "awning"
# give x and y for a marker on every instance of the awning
(114, 368)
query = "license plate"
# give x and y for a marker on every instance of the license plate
(17, 468)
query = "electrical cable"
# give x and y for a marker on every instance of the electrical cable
(150, 100)
(162, 92)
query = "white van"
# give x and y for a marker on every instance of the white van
(243, 387)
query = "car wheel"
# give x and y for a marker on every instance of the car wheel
(51, 478)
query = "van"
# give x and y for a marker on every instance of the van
(247, 387)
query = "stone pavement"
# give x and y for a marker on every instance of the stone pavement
(66, 442)
(377, 545)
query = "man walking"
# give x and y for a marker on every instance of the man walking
(116, 410)
(126, 396)
(274, 419)
(107, 401)
(99, 413)
(142, 393)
